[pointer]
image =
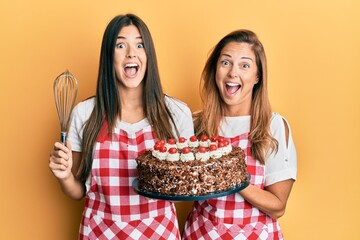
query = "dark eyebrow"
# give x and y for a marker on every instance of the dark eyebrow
(228, 55)
(121, 37)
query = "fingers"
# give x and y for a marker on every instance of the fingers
(58, 163)
(59, 160)
(59, 147)
(54, 166)
(62, 147)
(60, 156)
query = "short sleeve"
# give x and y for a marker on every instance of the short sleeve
(281, 165)
(79, 116)
(182, 116)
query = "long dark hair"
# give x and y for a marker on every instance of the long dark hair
(107, 107)
(208, 120)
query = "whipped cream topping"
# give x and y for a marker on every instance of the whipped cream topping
(168, 145)
(216, 153)
(162, 155)
(226, 150)
(181, 145)
(173, 157)
(204, 143)
(202, 156)
(178, 151)
(193, 144)
(155, 153)
(187, 156)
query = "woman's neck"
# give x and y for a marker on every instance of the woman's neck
(132, 106)
(238, 110)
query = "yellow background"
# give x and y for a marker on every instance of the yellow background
(313, 50)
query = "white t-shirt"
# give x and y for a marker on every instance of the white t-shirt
(278, 166)
(180, 112)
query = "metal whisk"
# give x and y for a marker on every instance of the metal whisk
(65, 92)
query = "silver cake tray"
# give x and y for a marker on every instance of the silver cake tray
(217, 194)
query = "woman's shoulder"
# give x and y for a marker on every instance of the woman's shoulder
(182, 116)
(280, 127)
(174, 103)
(86, 104)
(84, 108)
(277, 120)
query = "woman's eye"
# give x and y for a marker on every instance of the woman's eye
(225, 63)
(245, 65)
(120, 45)
(140, 45)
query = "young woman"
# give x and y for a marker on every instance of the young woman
(107, 132)
(236, 106)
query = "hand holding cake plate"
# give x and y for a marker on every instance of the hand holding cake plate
(217, 194)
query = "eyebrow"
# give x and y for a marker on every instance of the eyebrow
(121, 37)
(228, 55)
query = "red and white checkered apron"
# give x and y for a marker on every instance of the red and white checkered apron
(231, 217)
(112, 209)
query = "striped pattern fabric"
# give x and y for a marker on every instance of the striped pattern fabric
(112, 209)
(231, 217)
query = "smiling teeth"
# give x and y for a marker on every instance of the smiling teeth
(131, 65)
(233, 84)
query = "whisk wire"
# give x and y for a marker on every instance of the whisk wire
(65, 92)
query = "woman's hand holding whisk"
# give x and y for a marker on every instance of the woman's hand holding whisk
(61, 161)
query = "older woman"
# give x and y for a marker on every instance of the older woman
(236, 107)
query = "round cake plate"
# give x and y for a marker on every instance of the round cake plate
(154, 195)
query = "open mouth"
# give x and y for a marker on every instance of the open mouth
(232, 88)
(131, 69)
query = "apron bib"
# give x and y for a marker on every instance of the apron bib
(112, 209)
(231, 217)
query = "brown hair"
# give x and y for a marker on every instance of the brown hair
(208, 120)
(107, 107)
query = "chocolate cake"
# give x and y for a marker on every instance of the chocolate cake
(191, 167)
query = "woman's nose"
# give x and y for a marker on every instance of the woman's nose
(131, 52)
(233, 73)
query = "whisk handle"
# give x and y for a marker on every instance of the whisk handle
(63, 137)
